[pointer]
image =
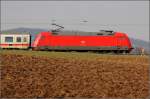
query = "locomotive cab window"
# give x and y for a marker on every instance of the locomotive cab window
(18, 39)
(8, 39)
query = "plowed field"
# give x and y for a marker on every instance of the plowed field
(101, 76)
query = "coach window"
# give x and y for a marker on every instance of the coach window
(8, 39)
(18, 39)
(24, 39)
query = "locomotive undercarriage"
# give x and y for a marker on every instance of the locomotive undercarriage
(116, 50)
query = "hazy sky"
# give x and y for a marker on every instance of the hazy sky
(131, 17)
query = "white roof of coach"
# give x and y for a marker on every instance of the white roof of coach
(14, 33)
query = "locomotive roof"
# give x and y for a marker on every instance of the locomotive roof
(84, 33)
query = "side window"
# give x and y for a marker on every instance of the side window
(8, 39)
(122, 38)
(18, 39)
(25, 39)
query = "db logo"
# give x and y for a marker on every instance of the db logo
(83, 42)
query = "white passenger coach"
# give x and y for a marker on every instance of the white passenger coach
(15, 40)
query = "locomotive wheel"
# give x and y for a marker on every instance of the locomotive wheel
(124, 52)
(116, 52)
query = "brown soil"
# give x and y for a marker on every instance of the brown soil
(28, 76)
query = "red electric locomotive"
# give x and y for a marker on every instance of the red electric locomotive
(102, 41)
